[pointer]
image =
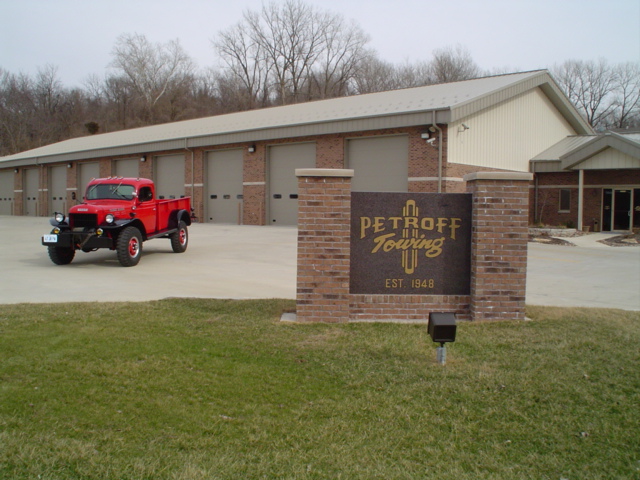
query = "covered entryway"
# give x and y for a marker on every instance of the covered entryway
(380, 164)
(58, 189)
(224, 186)
(283, 183)
(169, 176)
(6, 192)
(620, 209)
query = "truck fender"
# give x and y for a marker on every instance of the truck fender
(177, 216)
(133, 222)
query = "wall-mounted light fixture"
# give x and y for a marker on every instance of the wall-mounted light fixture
(69, 165)
(143, 158)
(252, 148)
(463, 127)
(15, 170)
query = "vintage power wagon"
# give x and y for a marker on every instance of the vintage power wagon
(119, 214)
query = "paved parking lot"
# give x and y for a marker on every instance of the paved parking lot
(260, 262)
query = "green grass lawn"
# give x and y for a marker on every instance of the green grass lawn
(211, 389)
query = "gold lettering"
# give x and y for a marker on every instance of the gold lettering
(378, 224)
(395, 221)
(455, 224)
(365, 223)
(442, 222)
(426, 223)
(411, 222)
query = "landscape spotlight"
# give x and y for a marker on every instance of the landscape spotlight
(442, 329)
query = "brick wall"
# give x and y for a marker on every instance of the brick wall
(499, 254)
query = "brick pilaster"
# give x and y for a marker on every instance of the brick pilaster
(324, 215)
(499, 244)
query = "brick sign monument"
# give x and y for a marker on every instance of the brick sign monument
(398, 257)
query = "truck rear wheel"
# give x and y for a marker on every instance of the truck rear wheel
(180, 239)
(129, 247)
(61, 255)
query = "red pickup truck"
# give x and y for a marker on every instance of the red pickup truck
(119, 214)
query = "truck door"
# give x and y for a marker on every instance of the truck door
(147, 210)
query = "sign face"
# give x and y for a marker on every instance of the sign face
(410, 243)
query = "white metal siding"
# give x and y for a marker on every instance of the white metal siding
(224, 186)
(380, 164)
(608, 159)
(283, 183)
(6, 192)
(58, 189)
(169, 176)
(508, 135)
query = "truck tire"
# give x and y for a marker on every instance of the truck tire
(180, 239)
(129, 247)
(61, 255)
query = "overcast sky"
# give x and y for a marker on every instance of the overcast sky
(77, 36)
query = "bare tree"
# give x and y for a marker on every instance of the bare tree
(151, 68)
(452, 64)
(343, 49)
(626, 96)
(589, 86)
(291, 52)
(246, 62)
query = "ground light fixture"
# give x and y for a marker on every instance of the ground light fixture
(442, 329)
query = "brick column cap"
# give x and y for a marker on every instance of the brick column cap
(323, 172)
(516, 176)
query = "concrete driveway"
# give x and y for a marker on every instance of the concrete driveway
(260, 262)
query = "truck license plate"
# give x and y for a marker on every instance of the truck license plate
(50, 238)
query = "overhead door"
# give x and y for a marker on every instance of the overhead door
(380, 164)
(126, 168)
(169, 176)
(31, 182)
(224, 186)
(58, 189)
(86, 173)
(6, 192)
(283, 183)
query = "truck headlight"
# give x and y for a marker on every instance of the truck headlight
(59, 217)
(109, 218)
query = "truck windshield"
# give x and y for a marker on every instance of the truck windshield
(111, 191)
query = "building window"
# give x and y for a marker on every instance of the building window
(565, 200)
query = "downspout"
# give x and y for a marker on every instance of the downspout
(435, 125)
(193, 174)
(535, 192)
(580, 198)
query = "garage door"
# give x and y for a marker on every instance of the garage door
(224, 186)
(31, 182)
(169, 176)
(6, 192)
(126, 168)
(283, 183)
(86, 172)
(380, 164)
(58, 189)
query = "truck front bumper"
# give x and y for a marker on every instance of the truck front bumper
(77, 240)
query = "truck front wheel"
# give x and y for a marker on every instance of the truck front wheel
(180, 238)
(61, 255)
(129, 247)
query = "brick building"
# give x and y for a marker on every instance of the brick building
(239, 168)
(589, 181)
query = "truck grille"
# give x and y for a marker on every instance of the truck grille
(83, 220)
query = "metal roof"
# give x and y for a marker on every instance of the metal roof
(573, 150)
(393, 109)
